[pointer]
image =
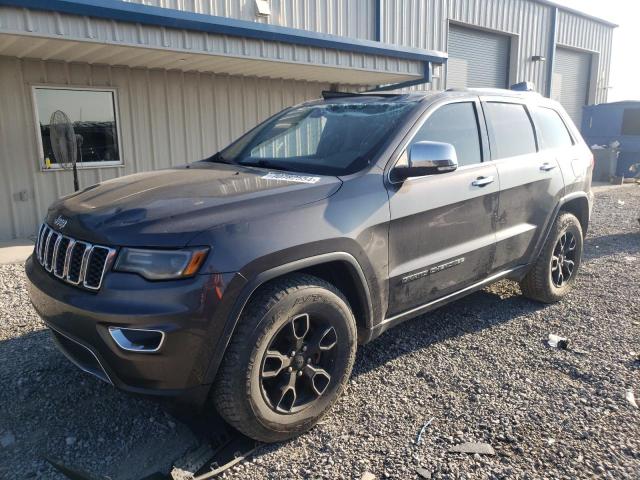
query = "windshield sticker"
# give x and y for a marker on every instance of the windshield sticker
(291, 178)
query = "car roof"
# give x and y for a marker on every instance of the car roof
(531, 97)
(432, 96)
(387, 96)
(399, 95)
(494, 91)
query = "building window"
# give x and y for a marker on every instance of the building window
(631, 121)
(78, 124)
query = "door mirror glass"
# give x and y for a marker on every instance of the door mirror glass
(428, 158)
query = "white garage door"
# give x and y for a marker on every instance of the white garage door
(477, 59)
(570, 85)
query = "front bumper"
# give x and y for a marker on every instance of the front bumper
(190, 313)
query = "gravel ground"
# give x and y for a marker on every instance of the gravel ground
(479, 367)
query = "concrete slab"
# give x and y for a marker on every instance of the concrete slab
(15, 251)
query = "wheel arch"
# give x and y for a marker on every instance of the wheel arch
(339, 268)
(349, 279)
(578, 206)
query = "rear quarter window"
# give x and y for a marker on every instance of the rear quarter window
(510, 130)
(552, 130)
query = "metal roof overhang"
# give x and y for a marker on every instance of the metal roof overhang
(114, 32)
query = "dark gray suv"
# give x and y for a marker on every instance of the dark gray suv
(246, 280)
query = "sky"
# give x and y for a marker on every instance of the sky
(625, 68)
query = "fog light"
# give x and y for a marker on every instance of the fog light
(137, 339)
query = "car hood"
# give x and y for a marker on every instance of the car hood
(169, 207)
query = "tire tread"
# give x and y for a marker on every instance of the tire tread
(536, 285)
(227, 392)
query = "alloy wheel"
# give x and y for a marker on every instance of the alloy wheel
(298, 364)
(563, 260)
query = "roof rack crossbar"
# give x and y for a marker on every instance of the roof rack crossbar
(329, 94)
(426, 78)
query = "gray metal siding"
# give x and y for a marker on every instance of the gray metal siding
(477, 58)
(167, 118)
(424, 23)
(583, 33)
(571, 81)
(349, 18)
(119, 43)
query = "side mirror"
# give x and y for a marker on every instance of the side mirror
(428, 158)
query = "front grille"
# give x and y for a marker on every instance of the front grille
(95, 266)
(74, 261)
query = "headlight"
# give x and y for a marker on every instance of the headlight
(161, 264)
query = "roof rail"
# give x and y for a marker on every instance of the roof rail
(524, 87)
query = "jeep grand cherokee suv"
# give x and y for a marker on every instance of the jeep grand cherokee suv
(247, 279)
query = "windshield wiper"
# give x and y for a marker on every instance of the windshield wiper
(217, 158)
(262, 163)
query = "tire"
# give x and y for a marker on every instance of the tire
(252, 391)
(542, 282)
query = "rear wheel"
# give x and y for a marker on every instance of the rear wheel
(289, 359)
(553, 274)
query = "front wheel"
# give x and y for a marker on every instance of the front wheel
(289, 359)
(553, 273)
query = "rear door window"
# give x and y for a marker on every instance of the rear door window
(456, 124)
(551, 128)
(510, 130)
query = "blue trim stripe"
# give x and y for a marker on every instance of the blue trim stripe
(165, 17)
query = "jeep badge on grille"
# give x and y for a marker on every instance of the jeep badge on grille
(60, 222)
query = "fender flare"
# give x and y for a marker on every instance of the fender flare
(563, 201)
(253, 284)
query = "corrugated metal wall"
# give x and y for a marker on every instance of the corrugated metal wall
(167, 118)
(583, 33)
(224, 54)
(349, 18)
(424, 24)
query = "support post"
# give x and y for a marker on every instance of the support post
(551, 56)
(377, 28)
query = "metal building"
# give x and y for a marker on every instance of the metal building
(148, 84)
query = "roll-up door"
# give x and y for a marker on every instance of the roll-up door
(570, 87)
(477, 58)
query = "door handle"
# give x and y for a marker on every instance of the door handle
(547, 167)
(482, 181)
